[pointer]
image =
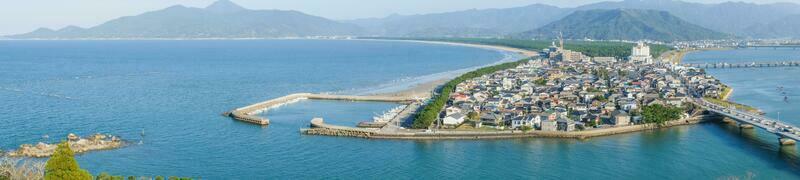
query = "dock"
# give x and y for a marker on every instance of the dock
(250, 113)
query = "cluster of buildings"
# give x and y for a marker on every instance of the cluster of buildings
(559, 93)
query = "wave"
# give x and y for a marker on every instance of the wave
(52, 95)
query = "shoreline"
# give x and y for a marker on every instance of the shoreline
(318, 127)
(725, 97)
(421, 90)
(424, 89)
(676, 56)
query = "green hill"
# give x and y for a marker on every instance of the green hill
(623, 24)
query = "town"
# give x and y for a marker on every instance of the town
(565, 90)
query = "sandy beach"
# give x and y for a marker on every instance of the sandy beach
(424, 89)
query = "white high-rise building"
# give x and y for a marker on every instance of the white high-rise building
(641, 53)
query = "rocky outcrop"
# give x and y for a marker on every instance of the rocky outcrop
(78, 144)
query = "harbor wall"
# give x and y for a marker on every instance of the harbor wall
(248, 113)
(318, 127)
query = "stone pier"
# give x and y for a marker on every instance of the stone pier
(249, 113)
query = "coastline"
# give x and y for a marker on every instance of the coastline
(420, 90)
(424, 88)
(318, 127)
(676, 56)
(728, 91)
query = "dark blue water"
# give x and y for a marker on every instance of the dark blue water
(175, 91)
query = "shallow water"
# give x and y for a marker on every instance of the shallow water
(176, 90)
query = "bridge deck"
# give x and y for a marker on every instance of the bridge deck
(777, 127)
(745, 64)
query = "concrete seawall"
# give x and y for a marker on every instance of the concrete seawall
(318, 127)
(249, 113)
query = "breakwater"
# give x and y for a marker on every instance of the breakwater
(249, 113)
(318, 127)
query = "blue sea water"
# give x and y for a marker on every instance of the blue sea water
(176, 90)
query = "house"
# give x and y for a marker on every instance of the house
(549, 125)
(537, 119)
(676, 101)
(453, 119)
(492, 119)
(563, 124)
(451, 110)
(529, 121)
(621, 118)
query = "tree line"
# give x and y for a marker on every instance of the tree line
(430, 113)
(618, 50)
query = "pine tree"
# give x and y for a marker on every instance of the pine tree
(62, 165)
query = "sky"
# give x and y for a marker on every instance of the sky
(20, 16)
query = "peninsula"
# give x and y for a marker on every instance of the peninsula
(554, 93)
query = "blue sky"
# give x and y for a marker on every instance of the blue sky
(19, 16)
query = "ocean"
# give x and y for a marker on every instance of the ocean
(175, 91)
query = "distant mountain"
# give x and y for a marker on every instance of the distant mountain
(787, 27)
(222, 19)
(729, 17)
(469, 23)
(623, 24)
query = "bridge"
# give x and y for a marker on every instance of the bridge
(745, 65)
(792, 46)
(787, 134)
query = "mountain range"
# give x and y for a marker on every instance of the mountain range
(738, 18)
(623, 24)
(224, 19)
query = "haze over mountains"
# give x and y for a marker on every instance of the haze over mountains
(623, 24)
(678, 21)
(222, 19)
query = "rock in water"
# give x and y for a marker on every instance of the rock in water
(79, 145)
(73, 137)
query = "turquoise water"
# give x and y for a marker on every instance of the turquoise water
(175, 91)
(765, 88)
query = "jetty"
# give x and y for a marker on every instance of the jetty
(76, 143)
(250, 113)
